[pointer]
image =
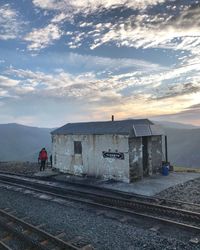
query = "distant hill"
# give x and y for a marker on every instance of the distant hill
(183, 143)
(175, 125)
(22, 143)
(183, 146)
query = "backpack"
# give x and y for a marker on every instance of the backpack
(43, 155)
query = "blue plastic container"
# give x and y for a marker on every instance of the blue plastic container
(165, 170)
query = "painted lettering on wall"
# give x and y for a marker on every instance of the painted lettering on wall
(115, 155)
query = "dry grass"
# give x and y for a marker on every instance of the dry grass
(186, 170)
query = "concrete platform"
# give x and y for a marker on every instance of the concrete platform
(149, 186)
(155, 184)
(47, 173)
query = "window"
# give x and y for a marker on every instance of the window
(77, 147)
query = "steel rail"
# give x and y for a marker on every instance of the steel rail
(126, 211)
(120, 202)
(19, 235)
(49, 237)
(124, 194)
(3, 246)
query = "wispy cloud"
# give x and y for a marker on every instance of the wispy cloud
(177, 90)
(142, 85)
(146, 30)
(7, 82)
(155, 32)
(175, 28)
(43, 37)
(10, 22)
(97, 63)
(141, 29)
(93, 5)
(127, 95)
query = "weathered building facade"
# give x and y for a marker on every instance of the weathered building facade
(122, 150)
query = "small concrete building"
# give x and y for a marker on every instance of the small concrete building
(121, 150)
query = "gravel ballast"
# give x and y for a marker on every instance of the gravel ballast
(187, 192)
(78, 220)
(25, 168)
(101, 231)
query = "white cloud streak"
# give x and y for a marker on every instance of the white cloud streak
(150, 31)
(41, 38)
(7, 82)
(92, 5)
(96, 63)
(10, 23)
(176, 28)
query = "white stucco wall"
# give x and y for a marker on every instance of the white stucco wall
(91, 162)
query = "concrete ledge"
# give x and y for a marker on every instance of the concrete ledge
(154, 184)
(46, 173)
(149, 186)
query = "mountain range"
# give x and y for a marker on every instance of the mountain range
(23, 143)
(183, 144)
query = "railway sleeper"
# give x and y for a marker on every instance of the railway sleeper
(29, 233)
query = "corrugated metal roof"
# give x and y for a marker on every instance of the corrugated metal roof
(135, 128)
(142, 130)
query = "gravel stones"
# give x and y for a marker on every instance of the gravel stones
(188, 192)
(79, 220)
(26, 168)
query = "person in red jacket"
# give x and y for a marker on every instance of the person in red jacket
(43, 157)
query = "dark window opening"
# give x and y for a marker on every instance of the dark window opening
(77, 147)
(145, 156)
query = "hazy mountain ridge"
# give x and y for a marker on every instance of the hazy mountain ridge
(175, 125)
(183, 146)
(23, 143)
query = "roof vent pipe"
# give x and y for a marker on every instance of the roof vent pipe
(112, 118)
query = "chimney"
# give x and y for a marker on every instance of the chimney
(112, 118)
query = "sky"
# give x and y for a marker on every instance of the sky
(72, 60)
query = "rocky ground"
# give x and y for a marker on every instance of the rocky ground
(27, 168)
(102, 231)
(188, 192)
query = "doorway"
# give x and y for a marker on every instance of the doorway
(145, 156)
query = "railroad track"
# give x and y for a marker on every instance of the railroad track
(122, 194)
(32, 237)
(132, 206)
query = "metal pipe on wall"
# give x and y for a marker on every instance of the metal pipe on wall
(166, 150)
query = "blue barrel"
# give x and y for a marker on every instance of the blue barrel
(165, 170)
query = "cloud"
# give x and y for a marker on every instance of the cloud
(3, 93)
(130, 94)
(10, 23)
(92, 5)
(42, 38)
(143, 80)
(176, 27)
(159, 30)
(177, 90)
(60, 17)
(96, 63)
(194, 107)
(7, 82)
(85, 87)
